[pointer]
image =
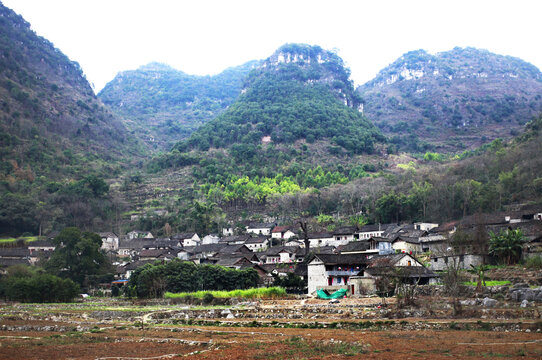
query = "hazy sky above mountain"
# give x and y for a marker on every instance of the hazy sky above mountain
(205, 37)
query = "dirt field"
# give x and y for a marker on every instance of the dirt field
(262, 330)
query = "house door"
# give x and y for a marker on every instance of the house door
(330, 281)
(352, 289)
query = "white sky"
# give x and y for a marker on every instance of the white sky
(206, 36)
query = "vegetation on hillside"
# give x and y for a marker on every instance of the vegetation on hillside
(453, 100)
(162, 105)
(53, 129)
(292, 101)
(238, 172)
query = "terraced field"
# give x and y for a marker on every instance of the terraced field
(267, 329)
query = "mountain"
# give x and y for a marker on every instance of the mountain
(300, 93)
(53, 129)
(162, 105)
(295, 126)
(453, 100)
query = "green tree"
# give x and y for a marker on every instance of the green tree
(421, 194)
(77, 255)
(32, 284)
(389, 207)
(506, 245)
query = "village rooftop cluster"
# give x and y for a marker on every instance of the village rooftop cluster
(348, 258)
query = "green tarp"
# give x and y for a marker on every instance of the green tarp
(339, 294)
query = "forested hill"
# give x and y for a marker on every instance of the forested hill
(302, 93)
(53, 129)
(162, 105)
(453, 100)
(295, 128)
(50, 117)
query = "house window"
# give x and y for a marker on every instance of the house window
(435, 260)
(409, 263)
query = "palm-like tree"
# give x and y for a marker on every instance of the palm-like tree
(506, 245)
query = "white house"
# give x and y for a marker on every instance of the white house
(321, 239)
(425, 226)
(210, 239)
(344, 235)
(110, 241)
(40, 246)
(369, 231)
(227, 231)
(260, 229)
(280, 254)
(357, 271)
(137, 234)
(333, 271)
(295, 243)
(188, 239)
(282, 233)
(260, 243)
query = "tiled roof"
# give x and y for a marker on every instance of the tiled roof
(402, 271)
(257, 240)
(355, 246)
(10, 262)
(343, 259)
(14, 252)
(283, 228)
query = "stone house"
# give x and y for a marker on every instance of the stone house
(358, 272)
(110, 241)
(406, 244)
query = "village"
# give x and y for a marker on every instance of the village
(380, 291)
(348, 258)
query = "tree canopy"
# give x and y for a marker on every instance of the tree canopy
(77, 255)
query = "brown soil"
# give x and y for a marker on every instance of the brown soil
(31, 332)
(268, 343)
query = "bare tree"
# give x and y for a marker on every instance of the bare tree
(452, 279)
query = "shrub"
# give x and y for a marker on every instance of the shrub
(534, 262)
(38, 288)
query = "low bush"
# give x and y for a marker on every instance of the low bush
(38, 288)
(534, 263)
